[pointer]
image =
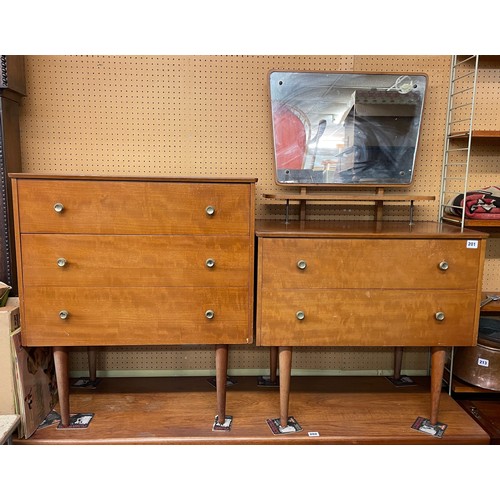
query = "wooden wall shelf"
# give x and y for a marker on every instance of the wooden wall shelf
(476, 134)
(348, 197)
(492, 307)
(378, 198)
(489, 226)
(460, 387)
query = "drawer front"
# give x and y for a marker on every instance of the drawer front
(366, 318)
(100, 261)
(368, 263)
(135, 316)
(129, 207)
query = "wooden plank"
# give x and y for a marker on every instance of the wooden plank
(148, 178)
(476, 134)
(343, 410)
(493, 306)
(348, 197)
(491, 226)
(486, 412)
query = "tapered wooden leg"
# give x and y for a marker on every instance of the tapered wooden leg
(61, 367)
(92, 359)
(221, 355)
(273, 364)
(398, 359)
(438, 358)
(285, 361)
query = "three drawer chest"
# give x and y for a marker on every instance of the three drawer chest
(122, 261)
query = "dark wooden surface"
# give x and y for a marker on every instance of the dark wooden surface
(12, 88)
(10, 161)
(486, 412)
(181, 410)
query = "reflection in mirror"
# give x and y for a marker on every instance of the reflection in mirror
(346, 128)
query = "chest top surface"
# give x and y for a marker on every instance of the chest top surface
(61, 177)
(362, 229)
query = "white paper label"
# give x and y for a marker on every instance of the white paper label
(472, 244)
(313, 434)
(483, 362)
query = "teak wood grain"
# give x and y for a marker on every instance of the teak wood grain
(368, 263)
(364, 229)
(367, 283)
(137, 260)
(117, 207)
(179, 410)
(125, 261)
(135, 316)
(371, 317)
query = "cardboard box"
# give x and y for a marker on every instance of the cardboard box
(27, 375)
(9, 322)
(36, 386)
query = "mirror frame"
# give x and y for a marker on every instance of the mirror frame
(315, 107)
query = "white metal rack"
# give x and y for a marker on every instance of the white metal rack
(458, 138)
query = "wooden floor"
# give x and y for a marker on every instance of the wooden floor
(180, 410)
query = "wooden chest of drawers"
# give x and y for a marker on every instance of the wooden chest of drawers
(367, 284)
(135, 261)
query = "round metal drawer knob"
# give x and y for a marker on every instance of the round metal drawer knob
(61, 262)
(63, 314)
(210, 263)
(301, 264)
(439, 316)
(209, 314)
(443, 265)
(58, 207)
(300, 315)
(210, 210)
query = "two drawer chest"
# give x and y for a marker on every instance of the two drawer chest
(121, 261)
(367, 283)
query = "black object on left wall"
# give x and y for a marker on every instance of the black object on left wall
(12, 89)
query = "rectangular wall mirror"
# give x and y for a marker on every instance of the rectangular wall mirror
(343, 128)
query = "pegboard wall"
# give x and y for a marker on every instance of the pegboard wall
(207, 116)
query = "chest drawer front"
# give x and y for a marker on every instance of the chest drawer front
(366, 318)
(136, 316)
(368, 263)
(95, 261)
(129, 207)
